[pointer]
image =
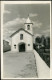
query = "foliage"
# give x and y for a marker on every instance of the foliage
(42, 46)
(38, 39)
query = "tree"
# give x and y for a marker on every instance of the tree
(43, 40)
(47, 42)
(37, 39)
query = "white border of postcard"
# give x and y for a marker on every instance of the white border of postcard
(21, 2)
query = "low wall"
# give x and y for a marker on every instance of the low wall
(42, 68)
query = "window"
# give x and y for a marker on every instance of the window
(21, 36)
(28, 27)
(28, 44)
(15, 46)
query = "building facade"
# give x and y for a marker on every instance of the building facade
(6, 46)
(22, 39)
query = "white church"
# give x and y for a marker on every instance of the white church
(22, 39)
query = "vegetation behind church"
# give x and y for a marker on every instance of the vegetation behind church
(42, 46)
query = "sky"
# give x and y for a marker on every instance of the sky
(15, 15)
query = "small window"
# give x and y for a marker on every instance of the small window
(28, 44)
(21, 36)
(28, 27)
(15, 46)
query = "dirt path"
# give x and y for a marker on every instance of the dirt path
(19, 65)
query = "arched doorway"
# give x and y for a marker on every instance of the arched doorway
(21, 47)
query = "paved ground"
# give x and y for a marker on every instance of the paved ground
(19, 65)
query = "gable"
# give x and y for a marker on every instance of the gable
(21, 29)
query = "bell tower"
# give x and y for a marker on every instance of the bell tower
(28, 25)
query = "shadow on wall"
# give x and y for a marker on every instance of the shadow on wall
(6, 46)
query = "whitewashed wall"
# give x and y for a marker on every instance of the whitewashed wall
(31, 29)
(27, 39)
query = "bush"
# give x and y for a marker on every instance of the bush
(44, 54)
(47, 50)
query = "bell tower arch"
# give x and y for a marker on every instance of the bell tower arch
(28, 26)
